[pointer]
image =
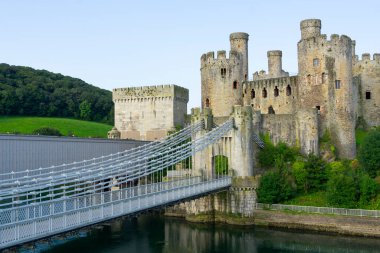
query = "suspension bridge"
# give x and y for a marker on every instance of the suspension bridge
(43, 202)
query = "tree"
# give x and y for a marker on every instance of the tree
(341, 191)
(300, 175)
(85, 110)
(369, 153)
(274, 187)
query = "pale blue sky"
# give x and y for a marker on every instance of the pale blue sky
(111, 43)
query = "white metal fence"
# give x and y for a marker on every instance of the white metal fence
(320, 210)
(45, 219)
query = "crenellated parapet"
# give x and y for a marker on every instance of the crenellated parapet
(208, 60)
(280, 82)
(156, 92)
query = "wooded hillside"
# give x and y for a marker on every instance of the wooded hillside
(26, 91)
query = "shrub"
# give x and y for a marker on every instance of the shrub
(300, 175)
(369, 153)
(341, 191)
(368, 189)
(316, 173)
(47, 131)
(274, 188)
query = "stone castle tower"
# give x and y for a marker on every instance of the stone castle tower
(222, 77)
(325, 83)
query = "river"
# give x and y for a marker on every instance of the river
(153, 234)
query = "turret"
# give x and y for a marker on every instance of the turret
(310, 28)
(274, 63)
(222, 77)
(239, 43)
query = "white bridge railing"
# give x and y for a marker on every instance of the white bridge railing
(43, 220)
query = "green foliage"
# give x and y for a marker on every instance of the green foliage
(47, 131)
(26, 91)
(274, 187)
(369, 153)
(368, 189)
(85, 110)
(68, 127)
(221, 164)
(300, 175)
(276, 156)
(341, 191)
(316, 173)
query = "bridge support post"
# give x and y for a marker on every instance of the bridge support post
(242, 155)
(202, 161)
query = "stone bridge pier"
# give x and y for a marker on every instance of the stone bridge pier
(239, 147)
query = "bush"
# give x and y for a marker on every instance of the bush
(316, 173)
(368, 189)
(47, 131)
(300, 175)
(341, 191)
(369, 153)
(274, 188)
(276, 156)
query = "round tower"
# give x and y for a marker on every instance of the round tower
(222, 77)
(274, 63)
(239, 43)
(325, 84)
(310, 28)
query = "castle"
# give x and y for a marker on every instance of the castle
(332, 93)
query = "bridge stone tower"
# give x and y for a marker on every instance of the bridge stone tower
(325, 84)
(237, 144)
(222, 77)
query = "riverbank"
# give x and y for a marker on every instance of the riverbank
(344, 225)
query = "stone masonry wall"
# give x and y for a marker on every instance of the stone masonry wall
(148, 113)
(367, 71)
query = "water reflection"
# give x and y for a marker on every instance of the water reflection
(153, 234)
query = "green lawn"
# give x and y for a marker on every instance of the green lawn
(312, 199)
(26, 125)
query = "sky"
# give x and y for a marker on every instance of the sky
(114, 43)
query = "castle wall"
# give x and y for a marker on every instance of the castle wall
(148, 113)
(367, 72)
(280, 127)
(282, 101)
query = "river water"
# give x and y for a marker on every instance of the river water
(153, 233)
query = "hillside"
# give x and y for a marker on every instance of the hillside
(68, 127)
(26, 91)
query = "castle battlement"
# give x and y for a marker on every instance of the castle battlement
(209, 59)
(366, 57)
(151, 92)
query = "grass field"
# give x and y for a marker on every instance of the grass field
(79, 128)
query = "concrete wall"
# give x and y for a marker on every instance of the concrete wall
(148, 113)
(22, 152)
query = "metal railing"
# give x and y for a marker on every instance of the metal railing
(46, 219)
(320, 210)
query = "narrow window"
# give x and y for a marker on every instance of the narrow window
(308, 78)
(253, 94)
(207, 102)
(235, 84)
(368, 95)
(337, 84)
(276, 91)
(318, 107)
(223, 72)
(323, 78)
(316, 62)
(265, 93)
(271, 110)
(245, 77)
(288, 90)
